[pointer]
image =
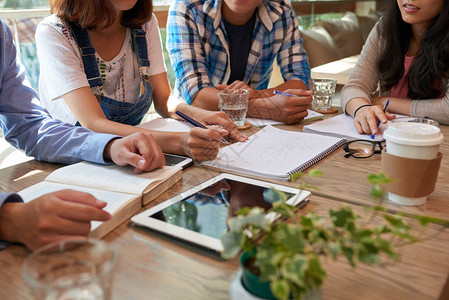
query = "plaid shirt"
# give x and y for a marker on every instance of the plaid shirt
(199, 51)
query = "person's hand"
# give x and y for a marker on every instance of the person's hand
(365, 120)
(253, 93)
(219, 118)
(202, 144)
(50, 218)
(139, 150)
(289, 110)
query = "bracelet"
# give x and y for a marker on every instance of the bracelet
(360, 108)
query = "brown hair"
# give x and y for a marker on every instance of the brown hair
(90, 14)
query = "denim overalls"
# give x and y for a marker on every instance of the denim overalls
(117, 111)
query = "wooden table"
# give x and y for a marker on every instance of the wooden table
(153, 267)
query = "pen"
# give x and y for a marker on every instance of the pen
(197, 124)
(378, 121)
(284, 93)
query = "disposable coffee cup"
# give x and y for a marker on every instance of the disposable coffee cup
(419, 142)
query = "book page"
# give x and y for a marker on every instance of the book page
(113, 178)
(342, 126)
(166, 124)
(115, 201)
(312, 115)
(272, 152)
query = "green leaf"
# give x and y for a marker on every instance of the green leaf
(334, 249)
(255, 217)
(291, 237)
(315, 173)
(315, 271)
(294, 269)
(369, 258)
(342, 217)
(349, 253)
(284, 209)
(280, 289)
(231, 244)
(377, 192)
(397, 223)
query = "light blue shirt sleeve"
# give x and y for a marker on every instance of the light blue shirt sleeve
(28, 126)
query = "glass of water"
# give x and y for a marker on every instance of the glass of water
(235, 104)
(323, 93)
(80, 269)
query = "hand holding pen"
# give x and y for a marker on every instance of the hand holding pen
(378, 120)
(197, 124)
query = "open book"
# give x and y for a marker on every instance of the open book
(124, 191)
(275, 153)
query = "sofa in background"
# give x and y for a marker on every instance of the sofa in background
(331, 40)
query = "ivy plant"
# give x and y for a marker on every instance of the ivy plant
(288, 250)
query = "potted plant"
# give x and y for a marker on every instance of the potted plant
(282, 256)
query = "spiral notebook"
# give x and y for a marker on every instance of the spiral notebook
(275, 153)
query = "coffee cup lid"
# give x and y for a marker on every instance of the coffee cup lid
(416, 134)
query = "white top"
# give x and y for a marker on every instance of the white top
(62, 71)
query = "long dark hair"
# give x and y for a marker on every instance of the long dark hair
(90, 14)
(431, 61)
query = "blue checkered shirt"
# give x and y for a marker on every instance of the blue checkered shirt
(199, 51)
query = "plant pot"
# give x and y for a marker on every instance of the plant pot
(247, 286)
(252, 283)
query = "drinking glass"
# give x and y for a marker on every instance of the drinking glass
(323, 93)
(235, 104)
(80, 269)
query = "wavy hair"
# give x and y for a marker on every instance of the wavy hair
(431, 61)
(90, 14)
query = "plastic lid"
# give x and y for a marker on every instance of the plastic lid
(415, 134)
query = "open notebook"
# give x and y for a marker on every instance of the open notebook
(342, 126)
(275, 153)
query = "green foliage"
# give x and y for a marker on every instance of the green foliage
(288, 250)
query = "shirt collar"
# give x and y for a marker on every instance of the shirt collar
(269, 12)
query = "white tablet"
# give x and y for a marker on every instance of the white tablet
(199, 215)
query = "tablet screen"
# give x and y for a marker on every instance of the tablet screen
(207, 211)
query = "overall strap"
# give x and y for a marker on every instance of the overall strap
(87, 54)
(140, 46)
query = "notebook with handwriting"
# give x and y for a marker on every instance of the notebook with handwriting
(275, 153)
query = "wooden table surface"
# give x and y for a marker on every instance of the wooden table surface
(153, 267)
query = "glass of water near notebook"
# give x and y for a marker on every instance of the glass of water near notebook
(275, 153)
(323, 93)
(235, 104)
(199, 216)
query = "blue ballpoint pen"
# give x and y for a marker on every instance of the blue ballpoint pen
(378, 121)
(197, 124)
(284, 94)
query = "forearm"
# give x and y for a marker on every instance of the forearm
(289, 84)
(436, 109)
(206, 98)
(354, 104)
(259, 108)
(168, 141)
(396, 105)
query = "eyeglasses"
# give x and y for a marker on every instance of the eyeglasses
(363, 148)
